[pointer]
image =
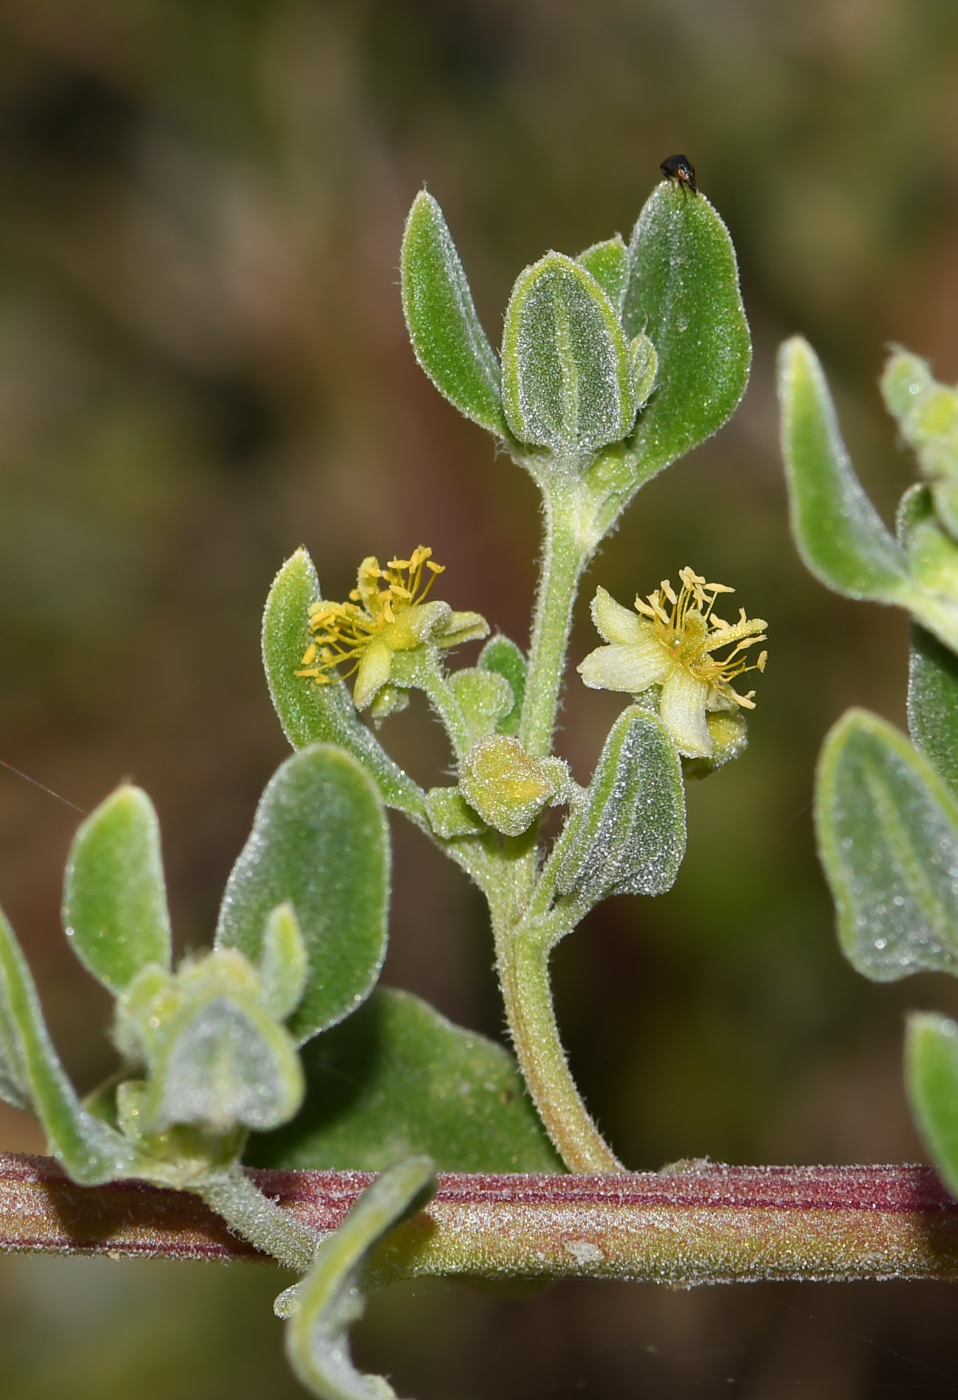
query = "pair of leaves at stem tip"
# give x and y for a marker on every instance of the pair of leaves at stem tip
(655, 328)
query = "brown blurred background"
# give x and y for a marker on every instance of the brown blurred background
(203, 365)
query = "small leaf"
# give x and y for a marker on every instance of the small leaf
(927, 413)
(683, 294)
(450, 815)
(933, 561)
(320, 842)
(89, 1151)
(839, 534)
(332, 1297)
(608, 263)
(311, 713)
(284, 964)
(224, 1063)
(887, 830)
(645, 368)
(931, 1075)
(446, 335)
(566, 368)
(398, 1078)
(485, 698)
(504, 657)
(628, 834)
(114, 899)
(933, 703)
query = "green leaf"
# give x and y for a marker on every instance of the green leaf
(931, 1076)
(320, 842)
(683, 294)
(223, 1062)
(399, 1078)
(89, 1151)
(450, 815)
(927, 414)
(448, 340)
(645, 368)
(485, 698)
(933, 703)
(311, 713)
(284, 964)
(608, 263)
(114, 899)
(331, 1297)
(888, 837)
(503, 656)
(566, 368)
(933, 561)
(628, 834)
(839, 534)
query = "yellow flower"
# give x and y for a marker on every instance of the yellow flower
(671, 643)
(387, 612)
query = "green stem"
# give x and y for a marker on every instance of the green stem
(564, 556)
(441, 696)
(704, 1224)
(523, 964)
(259, 1220)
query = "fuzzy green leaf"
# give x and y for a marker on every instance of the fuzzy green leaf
(446, 335)
(839, 534)
(332, 1297)
(310, 713)
(888, 837)
(933, 703)
(931, 1076)
(684, 295)
(566, 368)
(608, 263)
(485, 698)
(628, 834)
(398, 1078)
(114, 899)
(933, 561)
(284, 964)
(319, 842)
(89, 1151)
(927, 414)
(224, 1062)
(501, 655)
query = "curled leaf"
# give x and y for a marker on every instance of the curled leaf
(332, 1297)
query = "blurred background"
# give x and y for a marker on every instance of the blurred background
(203, 365)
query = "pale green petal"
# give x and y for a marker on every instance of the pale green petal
(616, 623)
(629, 668)
(373, 673)
(463, 627)
(682, 711)
(426, 619)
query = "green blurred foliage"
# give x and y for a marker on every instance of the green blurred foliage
(203, 365)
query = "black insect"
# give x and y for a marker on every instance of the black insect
(680, 168)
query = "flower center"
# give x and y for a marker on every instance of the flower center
(343, 631)
(688, 628)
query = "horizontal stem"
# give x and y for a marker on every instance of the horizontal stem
(711, 1225)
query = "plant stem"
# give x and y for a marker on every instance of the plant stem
(260, 1220)
(564, 556)
(523, 964)
(711, 1224)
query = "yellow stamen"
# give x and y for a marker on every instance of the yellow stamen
(343, 631)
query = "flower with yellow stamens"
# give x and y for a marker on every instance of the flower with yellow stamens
(672, 643)
(387, 612)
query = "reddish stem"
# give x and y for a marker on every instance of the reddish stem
(706, 1225)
